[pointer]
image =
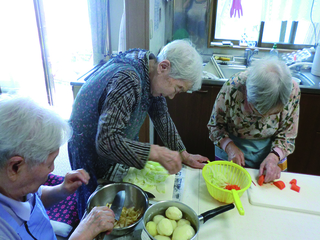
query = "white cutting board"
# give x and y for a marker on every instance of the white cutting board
(268, 195)
(169, 183)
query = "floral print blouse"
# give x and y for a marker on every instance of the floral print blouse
(232, 114)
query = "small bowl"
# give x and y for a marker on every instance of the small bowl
(135, 197)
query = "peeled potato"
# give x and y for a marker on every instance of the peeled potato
(184, 232)
(164, 227)
(152, 228)
(183, 221)
(159, 237)
(157, 218)
(174, 224)
(173, 213)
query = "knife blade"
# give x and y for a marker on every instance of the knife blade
(118, 203)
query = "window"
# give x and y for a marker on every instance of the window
(43, 69)
(292, 24)
(64, 29)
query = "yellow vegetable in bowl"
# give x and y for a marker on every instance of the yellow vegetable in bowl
(152, 228)
(183, 222)
(173, 213)
(159, 237)
(157, 218)
(174, 224)
(184, 232)
(164, 227)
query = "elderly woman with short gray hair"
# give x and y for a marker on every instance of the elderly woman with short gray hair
(112, 105)
(254, 121)
(30, 138)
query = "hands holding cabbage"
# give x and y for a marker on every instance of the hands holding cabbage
(163, 162)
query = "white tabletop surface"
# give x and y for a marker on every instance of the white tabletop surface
(257, 223)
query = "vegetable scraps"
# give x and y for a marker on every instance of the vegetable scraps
(153, 175)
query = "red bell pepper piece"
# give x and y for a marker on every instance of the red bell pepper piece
(279, 184)
(261, 180)
(293, 181)
(294, 187)
(229, 187)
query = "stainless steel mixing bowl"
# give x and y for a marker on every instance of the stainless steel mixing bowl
(135, 197)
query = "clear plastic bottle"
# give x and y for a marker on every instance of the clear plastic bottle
(274, 51)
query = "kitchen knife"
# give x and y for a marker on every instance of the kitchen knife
(118, 203)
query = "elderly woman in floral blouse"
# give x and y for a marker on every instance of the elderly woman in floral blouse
(254, 121)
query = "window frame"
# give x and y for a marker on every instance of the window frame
(260, 45)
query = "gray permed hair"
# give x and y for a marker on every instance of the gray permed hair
(269, 85)
(185, 61)
(29, 130)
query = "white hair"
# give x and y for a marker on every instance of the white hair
(29, 130)
(185, 62)
(269, 85)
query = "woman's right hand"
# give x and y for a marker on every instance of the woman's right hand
(235, 154)
(100, 219)
(170, 160)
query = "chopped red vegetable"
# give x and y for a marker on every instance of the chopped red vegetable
(229, 187)
(293, 181)
(261, 180)
(279, 184)
(294, 187)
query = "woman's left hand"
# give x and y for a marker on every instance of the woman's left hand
(270, 167)
(195, 161)
(73, 180)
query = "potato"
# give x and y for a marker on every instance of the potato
(152, 228)
(173, 213)
(174, 224)
(183, 221)
(159, 237)
(164, 227)
(184, 232)
(157, 218)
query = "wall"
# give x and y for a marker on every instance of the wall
(160, 22)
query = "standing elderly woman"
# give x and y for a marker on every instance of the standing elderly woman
(30, 137)
(254, 121)
(113, 104)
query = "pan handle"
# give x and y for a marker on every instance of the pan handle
(214, 212)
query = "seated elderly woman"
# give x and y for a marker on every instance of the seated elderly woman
(29, 143)
(254, 121)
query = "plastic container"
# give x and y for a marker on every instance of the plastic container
(234, 174)
(274, 51)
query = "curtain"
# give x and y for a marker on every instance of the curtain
(100, 30)
(122, 33)
(290, 10)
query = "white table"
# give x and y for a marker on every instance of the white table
(257, 223)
